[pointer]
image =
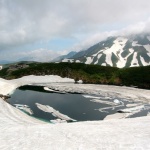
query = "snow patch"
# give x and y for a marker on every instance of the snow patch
(48, 89)
(77, 61)
(98, 57)
(132, 110)
(103, 64)
(112, 107)
(135, 43)
(143, 61)
(89, 60)
(134, 62)
(96, 62)
(54, 112)
(116, 48)
(68, 60)
(96, 97)
(108, 57)
(1, 67)
(25, 108)
(8, 86)
(80, 81)
(103, 102)
(115, 116)
(58, 121)
(133, 105)
(121, 63)
(116, 101)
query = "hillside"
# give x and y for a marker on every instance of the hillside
(25, 132)
(118, 52)
(94, 74)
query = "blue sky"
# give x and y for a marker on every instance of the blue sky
(41, 30)
(58, 44)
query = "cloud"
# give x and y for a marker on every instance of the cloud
(41, 55)
(141, 27)
(27, 21)
(138, 28)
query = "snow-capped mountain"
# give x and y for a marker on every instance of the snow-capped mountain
(117, 51)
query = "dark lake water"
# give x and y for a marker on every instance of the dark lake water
(76, 106)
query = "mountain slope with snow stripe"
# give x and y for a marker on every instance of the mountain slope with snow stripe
(117, 52)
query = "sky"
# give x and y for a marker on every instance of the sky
(41, 30)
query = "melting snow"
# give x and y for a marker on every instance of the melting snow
(54, 112)
(48, 89)
(134, 43)
(103, 102)
(132, 105)
(96, 62)
(118, 45)
(89, 60)
(116, 101)
(134, 60)
(98, 57)
(77, 61)
(103, 64)
(133, 109)
(58, 121)
(1, 67)
(143, 61)
(25, 132)
(24, 108)
(67, 60)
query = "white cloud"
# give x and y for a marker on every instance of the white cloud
(141, 27)
(24, 22)
(41, 55)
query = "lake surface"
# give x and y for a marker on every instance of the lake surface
(79, 107)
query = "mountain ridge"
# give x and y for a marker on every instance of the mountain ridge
(116, 51)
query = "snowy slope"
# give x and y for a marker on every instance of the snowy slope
(19, 131)
(117, 52)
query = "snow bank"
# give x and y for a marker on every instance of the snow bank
(20, 131)
(132, 110)
(48, 89)
(7, 87)
(27, 133)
